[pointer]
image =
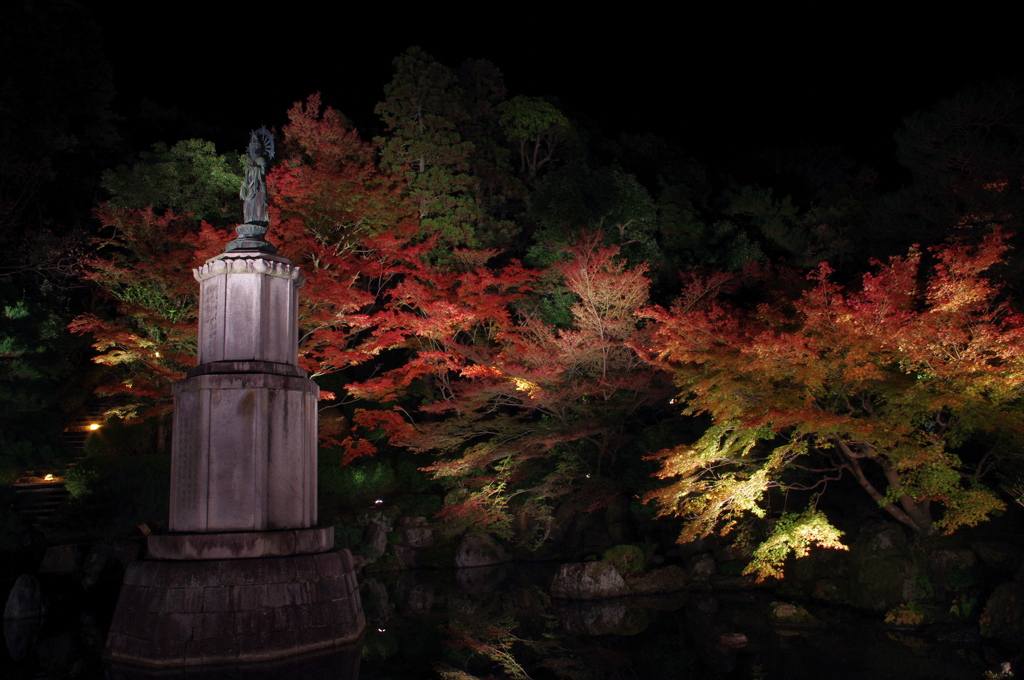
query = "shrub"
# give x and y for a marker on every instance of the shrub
(354, 484)
(113, 494)
(350, 537)
(116, 438)
(419, 505)
(15, 533)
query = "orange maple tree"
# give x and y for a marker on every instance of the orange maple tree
(909, 384)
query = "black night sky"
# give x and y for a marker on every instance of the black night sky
(720, 84)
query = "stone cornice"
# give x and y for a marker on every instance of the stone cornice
(255, 263)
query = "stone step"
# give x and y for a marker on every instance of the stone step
(36, 498)
(37, 501)
(75, 434)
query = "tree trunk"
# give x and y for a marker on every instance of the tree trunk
(915, 515)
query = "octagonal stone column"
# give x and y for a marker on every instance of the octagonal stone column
(245, 419)
(249, 304)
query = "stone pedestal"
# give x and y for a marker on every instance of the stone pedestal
(192, 613)
(245, 574)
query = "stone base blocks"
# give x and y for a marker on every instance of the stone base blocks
(240, 544)
(195, 613)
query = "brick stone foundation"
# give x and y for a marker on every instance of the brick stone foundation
(191, 613)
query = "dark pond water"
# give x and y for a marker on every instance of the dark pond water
(499, 623)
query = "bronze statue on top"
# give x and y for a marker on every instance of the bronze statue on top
(254, 186)
(254, 195)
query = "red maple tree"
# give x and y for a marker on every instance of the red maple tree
(526, 414)
(328, 201)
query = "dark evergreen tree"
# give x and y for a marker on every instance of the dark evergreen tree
(423, 112)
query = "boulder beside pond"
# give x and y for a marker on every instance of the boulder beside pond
(700, 568)
(478, 550)
(668, 579)
(588, 581)
(945, 565)
(789, 615)
(63, 560)
(1003, 616)
(415, 532)
(25, 600)
(883, 571)
(375, 538)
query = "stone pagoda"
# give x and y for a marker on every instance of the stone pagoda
(244, 574)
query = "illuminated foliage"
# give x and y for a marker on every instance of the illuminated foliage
(528, 387)
(794, 534)
(329, 183)
(144, 266)
(527, 413)
(342, 220)
(435, 315)
(909, 385)
(328, 198)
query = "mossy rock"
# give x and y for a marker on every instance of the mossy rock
(835, 590)
(789, 615)
(914, 614)
(386, 562)
(884, 571)
(479, 550)
(628, 560)
(668, 579)
(1003, 617)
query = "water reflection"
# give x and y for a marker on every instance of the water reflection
(500, 622)
(475, 624)
(21, 636)
(336, 664)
